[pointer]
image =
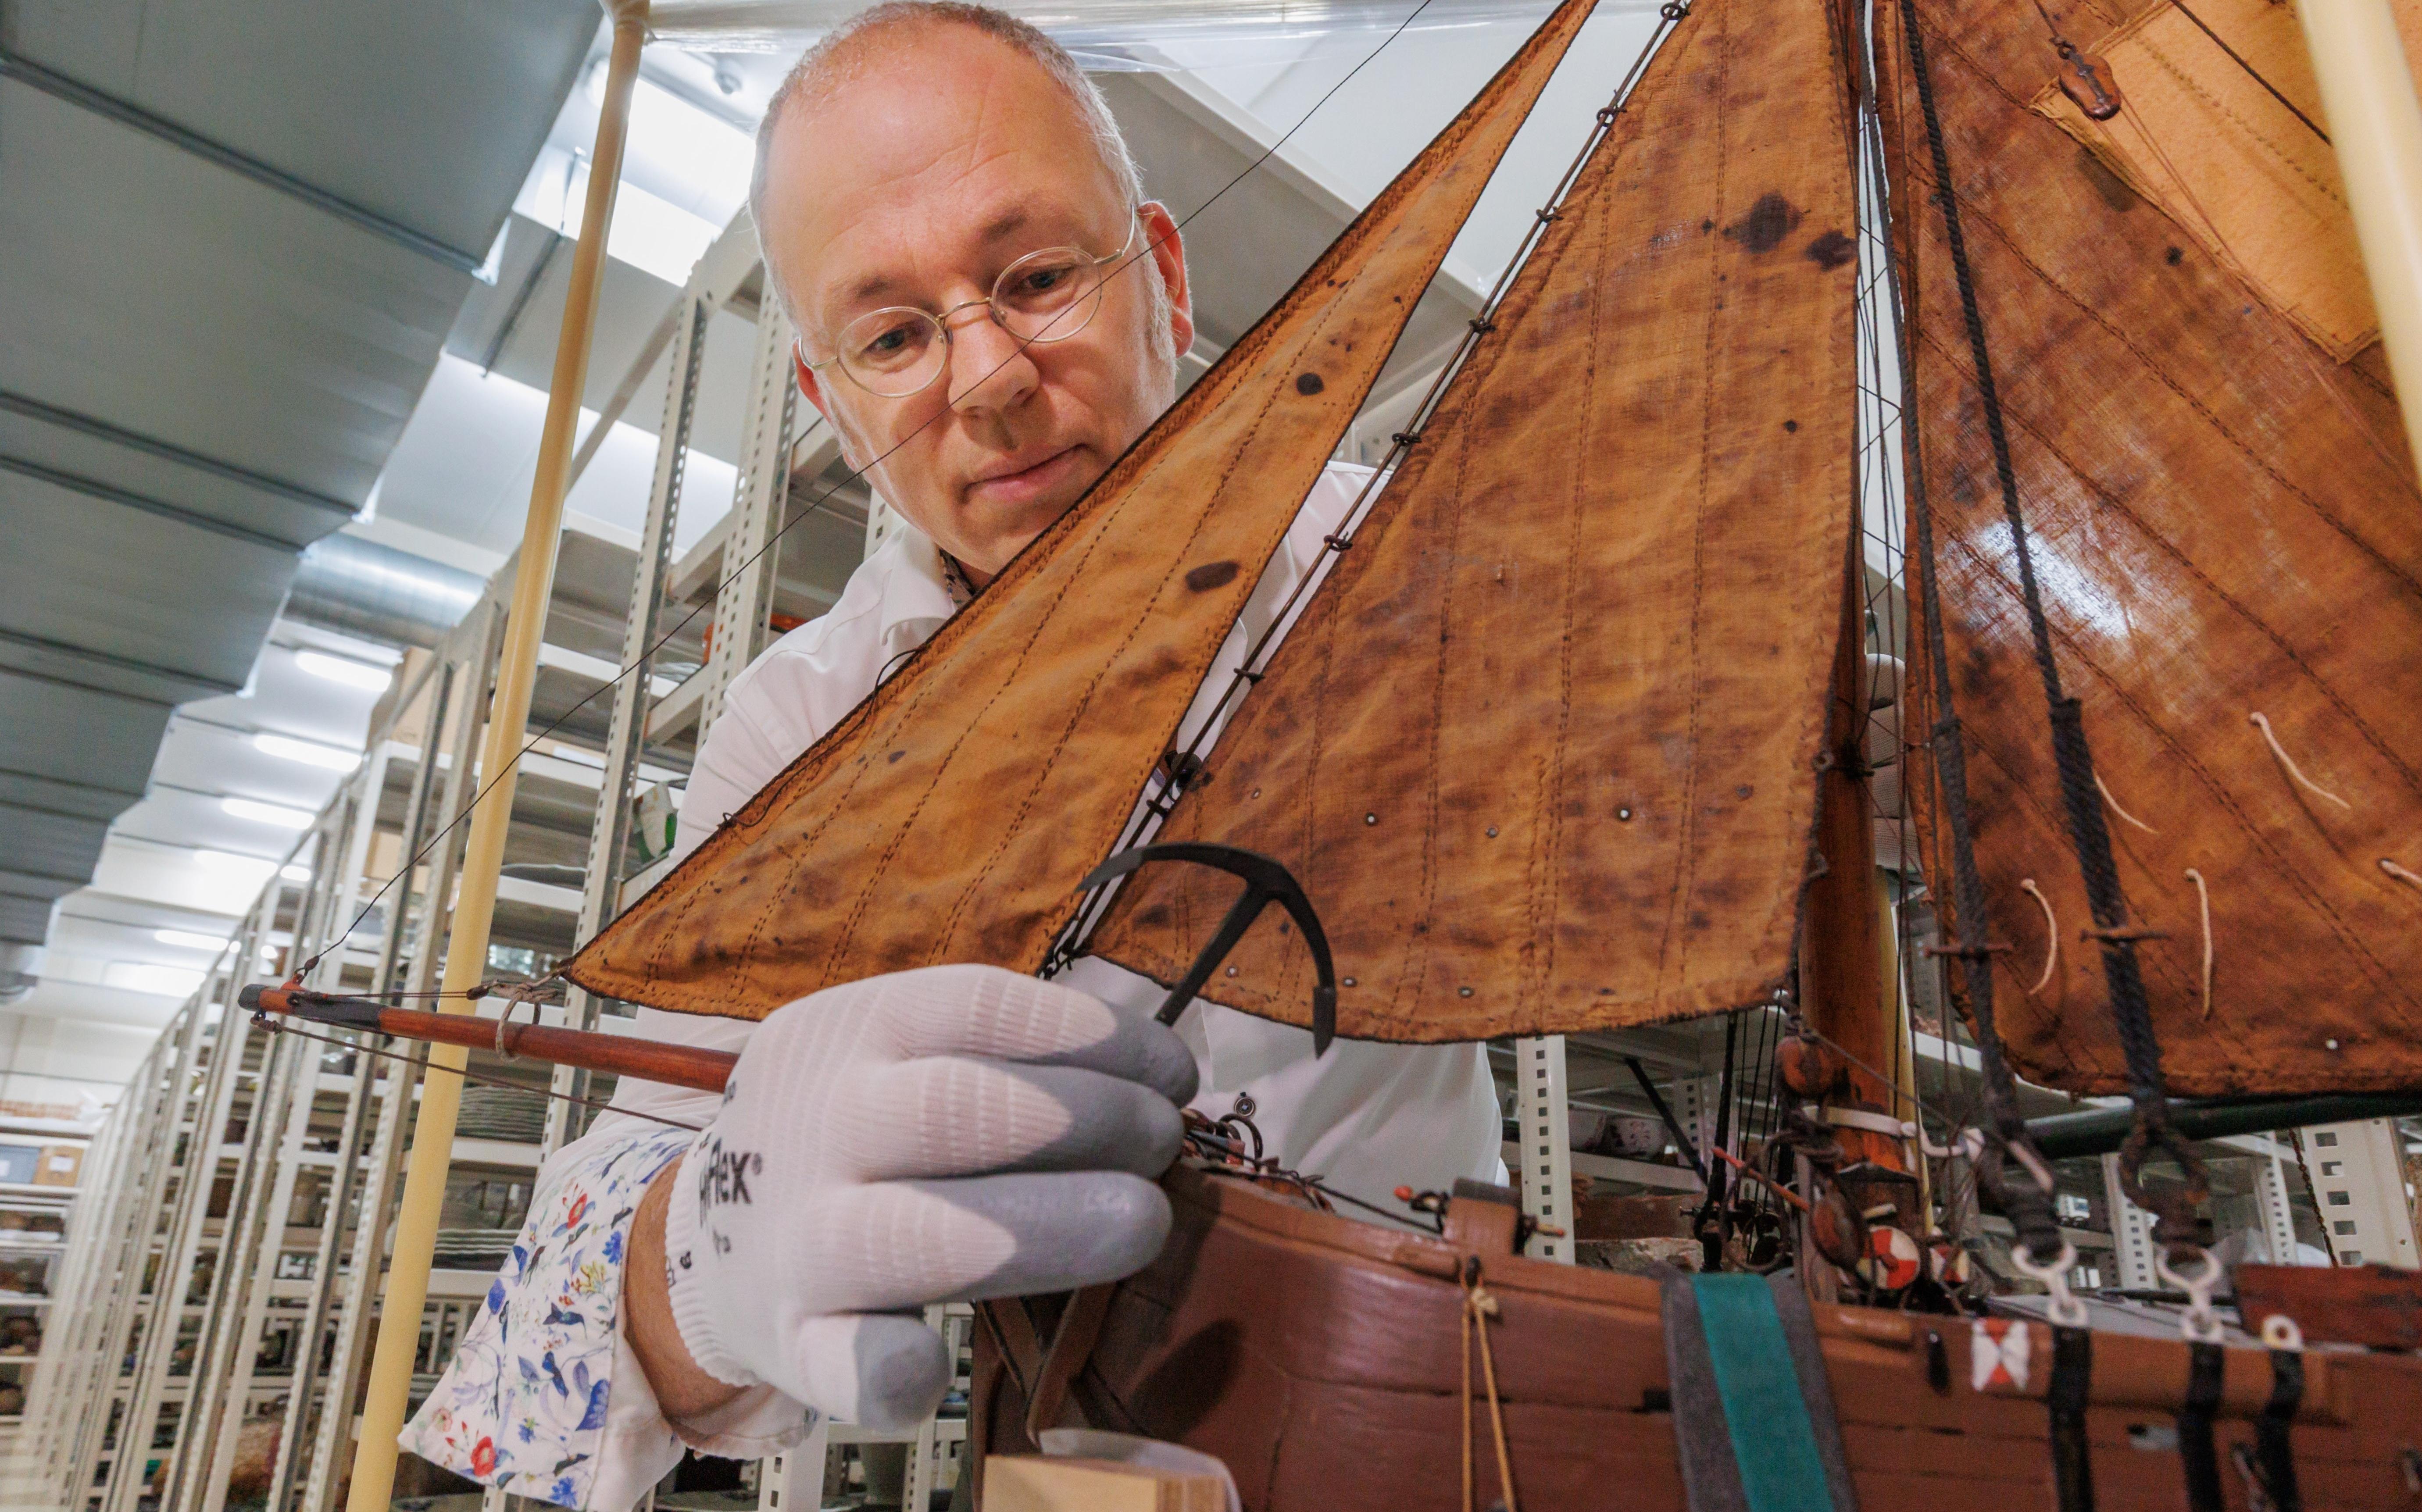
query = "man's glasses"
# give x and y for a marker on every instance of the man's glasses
(1043, 296)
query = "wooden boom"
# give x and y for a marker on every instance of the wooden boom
(678, 1064)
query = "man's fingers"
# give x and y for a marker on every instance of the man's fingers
(939, 1117)
(879, 1370)
(987, 1012)
(982, 1237)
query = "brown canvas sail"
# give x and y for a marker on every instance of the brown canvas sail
(2224, 525)
(951, 814)
(1542, 751)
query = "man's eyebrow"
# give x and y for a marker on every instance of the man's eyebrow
(1009, 220)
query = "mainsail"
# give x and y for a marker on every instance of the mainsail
(951, 814)
(2225, 525)
(1542, 750)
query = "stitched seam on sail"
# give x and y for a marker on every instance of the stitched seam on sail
(2111, 501)
(2221, 109)
(1548, 821)
(1686, 841)
(1922, 176)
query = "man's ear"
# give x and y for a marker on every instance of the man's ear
(813, 387)
(809, 384)
(1168, 252)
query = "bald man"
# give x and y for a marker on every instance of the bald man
(989, 311)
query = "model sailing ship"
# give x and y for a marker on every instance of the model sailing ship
(1571, 739)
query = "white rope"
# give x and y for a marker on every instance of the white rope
(2120, 811)
(2203, 900)
(2052, 932)
(2289, 763)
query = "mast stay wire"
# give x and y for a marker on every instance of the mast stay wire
(855, 474)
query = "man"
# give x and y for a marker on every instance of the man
(989, 313)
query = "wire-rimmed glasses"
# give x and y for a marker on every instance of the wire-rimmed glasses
(1048, 295)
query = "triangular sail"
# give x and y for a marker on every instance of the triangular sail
(1543, 749)
(2224, 526)
(951, 814)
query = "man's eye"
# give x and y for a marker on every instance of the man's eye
(892, 342)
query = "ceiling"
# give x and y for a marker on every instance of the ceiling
(234, 235)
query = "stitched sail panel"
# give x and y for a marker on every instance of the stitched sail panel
(2223, 523)
(1541, 750)
(951, 814)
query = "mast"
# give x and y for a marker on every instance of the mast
(466, 955)
(1840, 942)
(2375, 122)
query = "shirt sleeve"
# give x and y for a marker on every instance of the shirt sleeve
(543, 1397)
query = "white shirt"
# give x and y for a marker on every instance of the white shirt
(1365, 1116)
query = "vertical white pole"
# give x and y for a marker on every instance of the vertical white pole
(2375, 122)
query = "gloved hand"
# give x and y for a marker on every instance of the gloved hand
(946, 1134)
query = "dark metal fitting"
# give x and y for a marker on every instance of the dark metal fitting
(1336, 542)
(1967, 953)
(1405, 439)
(1606, 116)
(1481, 327)
(2125, 934)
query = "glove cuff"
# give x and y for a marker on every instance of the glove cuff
(691, 1273)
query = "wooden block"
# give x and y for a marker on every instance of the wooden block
(1036, 1483)
(2344, 1304)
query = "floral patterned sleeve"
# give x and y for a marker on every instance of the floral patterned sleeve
(530, 1402)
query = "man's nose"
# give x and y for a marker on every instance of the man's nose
(990, 369)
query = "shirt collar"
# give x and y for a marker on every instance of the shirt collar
(916, 598)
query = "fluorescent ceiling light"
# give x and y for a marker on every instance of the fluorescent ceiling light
(268, 813)
(649, 232)
(165, 981)
(296, 872)
(186, 939)
(345, 669)
(285, 747)
(216, 860)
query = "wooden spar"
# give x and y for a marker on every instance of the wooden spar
(2375, 124)
(467, 956)
(677, 1065)
(1841, 943)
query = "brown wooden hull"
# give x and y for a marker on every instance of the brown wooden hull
(1319, 1357)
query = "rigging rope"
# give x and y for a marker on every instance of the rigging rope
(2089, 835)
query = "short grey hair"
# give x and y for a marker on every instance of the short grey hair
(823, 66)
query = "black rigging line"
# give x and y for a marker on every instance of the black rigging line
(854, 476)
(2250, 71)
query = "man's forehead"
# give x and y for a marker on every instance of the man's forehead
(946, 142)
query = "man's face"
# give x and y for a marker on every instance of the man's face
(941, 157)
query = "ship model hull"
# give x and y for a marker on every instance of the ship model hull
(1321, 1360)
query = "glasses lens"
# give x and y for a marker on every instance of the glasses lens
(1049, 296)
(891, 351)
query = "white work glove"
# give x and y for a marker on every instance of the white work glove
(946, 1134)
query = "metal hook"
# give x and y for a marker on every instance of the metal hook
(2200, 1323)
(1265, 882)
(2066, 1311)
